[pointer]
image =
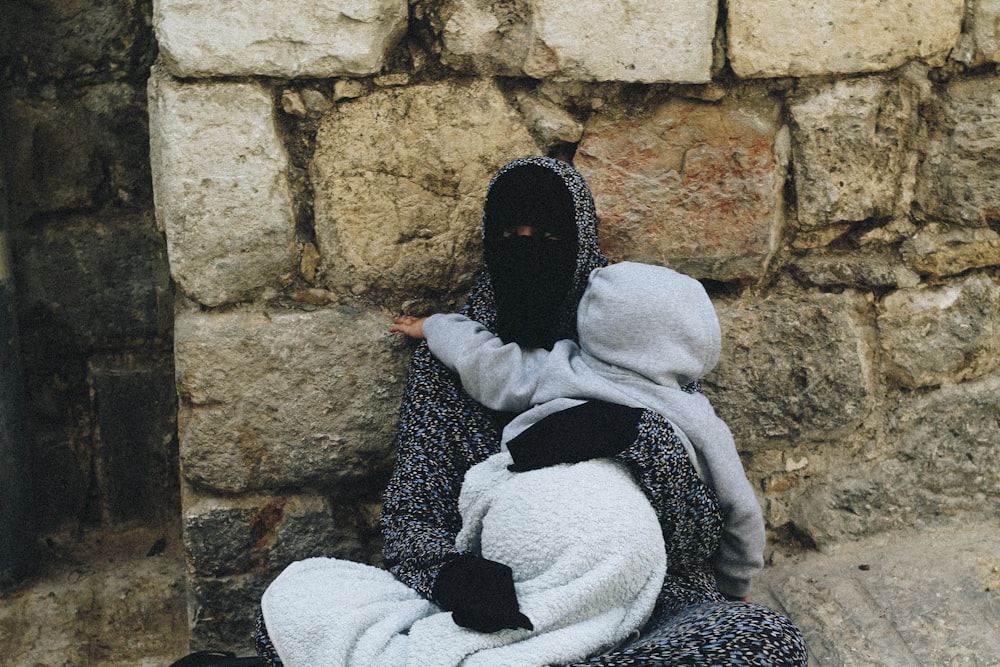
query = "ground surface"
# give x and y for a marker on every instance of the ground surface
(927, 598)
(100, 599)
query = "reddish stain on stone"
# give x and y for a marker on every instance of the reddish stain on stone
(692, 185)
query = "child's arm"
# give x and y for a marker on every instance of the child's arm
(500, 376)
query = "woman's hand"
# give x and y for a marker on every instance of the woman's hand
(480, 594)
(410, 325)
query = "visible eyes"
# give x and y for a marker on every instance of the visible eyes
(528, 230)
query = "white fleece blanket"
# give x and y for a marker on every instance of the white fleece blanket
(588, 560)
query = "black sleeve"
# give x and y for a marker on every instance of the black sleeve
(591, 430)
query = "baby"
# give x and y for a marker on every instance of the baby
(645, 332)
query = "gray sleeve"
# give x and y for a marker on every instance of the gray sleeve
(741, 550)
(498, 375)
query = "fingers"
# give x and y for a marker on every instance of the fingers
(409, 325)
(400, 323)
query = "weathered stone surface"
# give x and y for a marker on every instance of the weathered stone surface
(980, 42)
(136, 406)
(946, 463)
(226, 536)
(34, 132)
(986, 28)
(221, 188)
(843, 134)
(322, 388)
(793, 368)
(877, 272)
(694, 186)
(237, 546)
(404, 219)
(75, 38)
(297, 38)
(599, 40)
(943, 251)
(890, 234)
(99, 601)
(550, 123)
(943, 335)
(217, 616)
(110, 284)
(75, 153)
(18, 527)
(782, 473)
(956, 180)
(769, 38)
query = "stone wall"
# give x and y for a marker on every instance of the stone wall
(95, 300)
(828, 172)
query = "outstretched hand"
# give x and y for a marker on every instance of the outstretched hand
(410, 325)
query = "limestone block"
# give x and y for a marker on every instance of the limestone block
(947, 472)
(75, 153)
(592, 40)
(549, 122)
(849, 147)
(942, 335)
(286, 398)
(236, 546)
(980, 43)
(225, 536)
(217, 609)
(691, 185)
(220, 187)
(956, 181)
(872, 272)
(283, 38)
(944, 251)
(97, 278)
(987, 29)
(946, 463)
(399, 178)
(793, 368)
(67, 39)
(771, 38)
(136, 406)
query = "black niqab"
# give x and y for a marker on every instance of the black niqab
(531, 275)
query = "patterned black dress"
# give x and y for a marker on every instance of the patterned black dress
(443, 432)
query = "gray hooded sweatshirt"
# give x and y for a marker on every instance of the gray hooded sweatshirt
(645, 332)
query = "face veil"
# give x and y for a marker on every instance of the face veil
(530, 248)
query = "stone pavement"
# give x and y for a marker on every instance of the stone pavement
(928, 597)
(101, 598)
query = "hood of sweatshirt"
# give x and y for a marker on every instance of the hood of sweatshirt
(651, 321)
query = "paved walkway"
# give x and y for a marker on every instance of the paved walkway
(927, 598)
(101, 599)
